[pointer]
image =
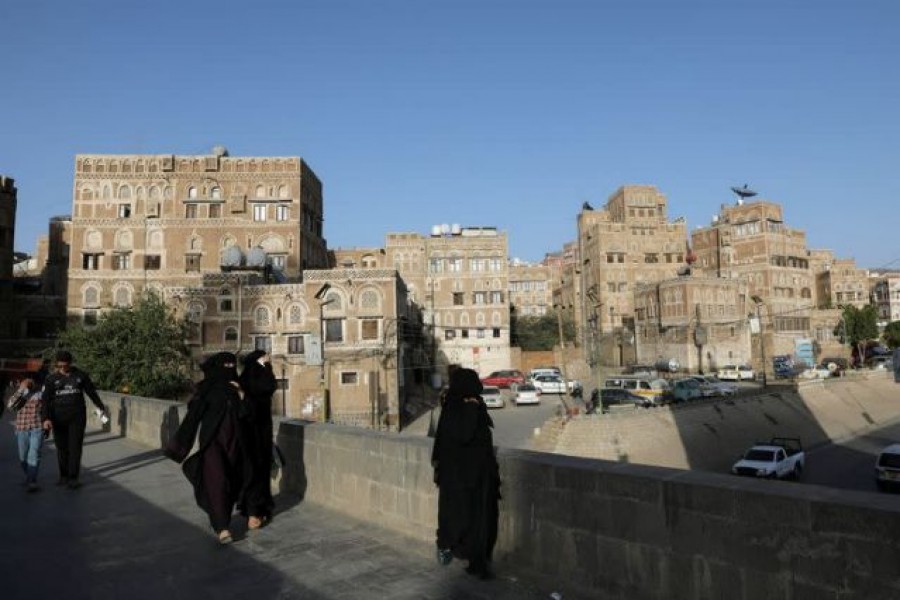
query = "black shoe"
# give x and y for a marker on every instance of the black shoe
(444, 557)
(74, 484)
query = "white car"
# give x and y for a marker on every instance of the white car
(492, 397)
(745, 373)
(728, 373)
(549, 384)
(887, 467)
(527, 394)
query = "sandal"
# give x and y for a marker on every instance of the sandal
(255, 522)
(225, 537)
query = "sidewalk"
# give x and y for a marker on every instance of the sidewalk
(134, 532)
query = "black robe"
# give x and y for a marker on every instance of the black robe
(220, 470)
(259, 383)
(467, 475)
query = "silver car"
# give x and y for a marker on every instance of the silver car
(492, 397)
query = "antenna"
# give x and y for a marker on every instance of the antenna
(743, 193)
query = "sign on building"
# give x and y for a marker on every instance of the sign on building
(314, 351)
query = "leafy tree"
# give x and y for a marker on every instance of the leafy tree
(138, 349)
(541, 332)
(858, 326)
(891, 334)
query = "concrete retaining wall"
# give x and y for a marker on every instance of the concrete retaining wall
(711, 435)
(145, 420)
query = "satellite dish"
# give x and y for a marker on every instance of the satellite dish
(256, 258)
(232, 257)
(743, 193)
(220, 151)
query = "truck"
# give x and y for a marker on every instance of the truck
(778, 458)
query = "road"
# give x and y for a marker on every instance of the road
(851, 465)
(514, 425)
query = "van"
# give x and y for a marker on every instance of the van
(887, 467)
(654, 390)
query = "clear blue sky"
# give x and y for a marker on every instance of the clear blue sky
(506, 113)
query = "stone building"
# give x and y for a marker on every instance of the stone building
(459, 276)
(630, 241)
(336, 338)
(843, 284)
(700, 321)
(530, 290)
(791, 287)
(151, 221)
(886, 296)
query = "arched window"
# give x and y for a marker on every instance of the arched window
(334, 301)
(283, 191)
(216, 193)
(261, 317)
(479, 319)
(231, 334)
(87, 194)
(260, 191)
(296, 315)
(123, 297)
(192, 193)
(124, 193)
(495, 319)
(91, 296)
(369, 300)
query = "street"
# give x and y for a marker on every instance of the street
(514, 425)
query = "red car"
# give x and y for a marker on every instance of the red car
(504, 379)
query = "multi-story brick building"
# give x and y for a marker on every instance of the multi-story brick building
(843, 284)
(700, 321)
(150, 221)
(530, 291)
(460, 278)
(629, 241)
(886, 296)
(793, 288)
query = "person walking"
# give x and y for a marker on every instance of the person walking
(467, 475)
(259, 383)
(220, 470)
(63, 412)
(26, 403)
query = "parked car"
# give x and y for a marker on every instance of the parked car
(779, 458)
(618, 396)
(537, 372)
(549, 384)
(887, 467)
(745, 373)
(504, 379)
(685, 390)
(711, 387)
(655, 390)
(728, 373)
(527, 394)
(881, 363)
(492, 396)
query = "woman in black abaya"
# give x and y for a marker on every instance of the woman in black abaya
(220, 469)
(467, 476)
(258, 382)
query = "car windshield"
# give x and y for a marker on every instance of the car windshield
(490, 391)
(889, 460)
(760, 455)
(527, 388)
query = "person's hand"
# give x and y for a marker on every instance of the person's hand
(25, 384)
(47, 425)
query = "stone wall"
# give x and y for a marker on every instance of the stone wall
(600, 529)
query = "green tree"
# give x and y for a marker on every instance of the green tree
(891, 334)
(858, 326)
(138, 349)
(541, 332)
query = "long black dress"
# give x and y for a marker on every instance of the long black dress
(258, 383)
(220, 469)
(467, 474)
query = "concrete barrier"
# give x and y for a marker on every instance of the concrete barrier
(600, 529)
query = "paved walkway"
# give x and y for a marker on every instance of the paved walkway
(133, 532)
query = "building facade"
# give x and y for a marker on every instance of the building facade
(459, 276)
(150, 221)
(530, 289)
(8, 205)
(630, 241)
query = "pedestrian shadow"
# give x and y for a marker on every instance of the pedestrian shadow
(290, 481)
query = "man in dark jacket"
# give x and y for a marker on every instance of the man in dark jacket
(64, 412)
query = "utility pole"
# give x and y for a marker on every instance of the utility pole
(566, 398)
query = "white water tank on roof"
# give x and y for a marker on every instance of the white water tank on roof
(455, 229)
(435, 230)
(256, 257)
(232, 257)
